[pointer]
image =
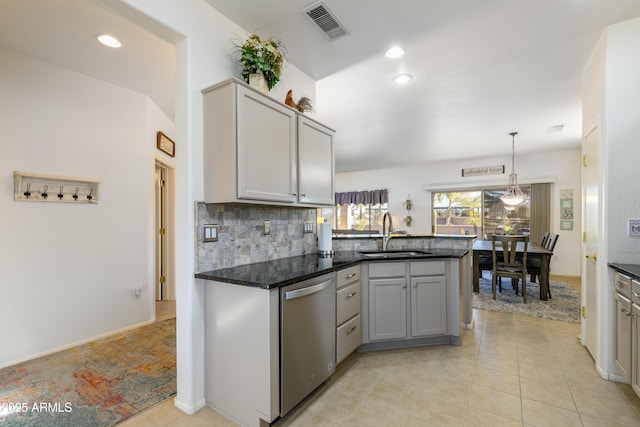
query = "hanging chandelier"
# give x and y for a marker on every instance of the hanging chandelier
(513, 195)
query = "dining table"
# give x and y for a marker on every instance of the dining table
(534, 251)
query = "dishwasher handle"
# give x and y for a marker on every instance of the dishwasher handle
(306, 291)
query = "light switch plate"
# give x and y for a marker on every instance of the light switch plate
(634, 227)
(266, 227)
(210, 233)
(308, 227)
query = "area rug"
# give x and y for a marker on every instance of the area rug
(564, 304)
(101, 383)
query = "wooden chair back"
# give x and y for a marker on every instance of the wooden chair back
(545, 238)
(551, 242)
(509, 262)
(507, 257)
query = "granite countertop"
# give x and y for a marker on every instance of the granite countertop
(632, 270)
(285, 271)
(402, 236)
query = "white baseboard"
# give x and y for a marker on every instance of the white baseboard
(74, 344)
(188, 408)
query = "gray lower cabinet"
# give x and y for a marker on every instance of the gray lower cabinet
(407, 300)
(623, 336)
(428, 306)
(348, 308)
(387, 308)
(635, 365)
(623, 323)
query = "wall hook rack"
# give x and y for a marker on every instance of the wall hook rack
(34, 187)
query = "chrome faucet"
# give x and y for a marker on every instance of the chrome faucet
(386, 234)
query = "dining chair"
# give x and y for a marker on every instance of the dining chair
(534, 265)
(543, 243)
(507, 264)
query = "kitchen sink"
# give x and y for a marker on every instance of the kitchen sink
(395, 254)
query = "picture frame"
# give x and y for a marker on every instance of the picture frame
(166, 144)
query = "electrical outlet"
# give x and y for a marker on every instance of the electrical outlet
(266, 227)
(307, 227)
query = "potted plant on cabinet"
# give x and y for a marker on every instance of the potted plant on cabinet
(262, 61)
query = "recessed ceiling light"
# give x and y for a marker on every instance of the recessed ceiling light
(108, 40)
(402, 78)
(394, 52)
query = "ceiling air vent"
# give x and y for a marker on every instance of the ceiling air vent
(555, 128)
(326, 20)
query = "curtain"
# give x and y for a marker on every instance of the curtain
(371, 197)
(540, 220)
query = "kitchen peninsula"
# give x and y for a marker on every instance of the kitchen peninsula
(422, 291)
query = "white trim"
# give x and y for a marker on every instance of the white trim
(477, 184)
(76, 343)
(189, 409)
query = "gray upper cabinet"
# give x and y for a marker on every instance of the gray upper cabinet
(315, 163)
(266, 145)
(257, 150)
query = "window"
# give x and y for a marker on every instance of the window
(479, 212)
(360, 217)
(358, 211)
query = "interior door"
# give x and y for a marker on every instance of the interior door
(591, 142)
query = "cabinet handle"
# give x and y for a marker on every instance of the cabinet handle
(351, 329)
(303, 195)
(351, 294)
(294, 194)
(351, 275)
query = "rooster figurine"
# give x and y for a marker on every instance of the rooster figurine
(304, 104)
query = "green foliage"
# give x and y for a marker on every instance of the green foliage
(262, 57)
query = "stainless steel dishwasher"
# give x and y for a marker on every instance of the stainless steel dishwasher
(307, 338)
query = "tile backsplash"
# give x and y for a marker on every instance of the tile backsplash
(240, 234)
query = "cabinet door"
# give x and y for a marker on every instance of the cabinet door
(635, 352)
(428, 306)
(623, 336)
(315, 163)
(387, 309)
(266, 137)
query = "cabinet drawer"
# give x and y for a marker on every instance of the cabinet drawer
(348, 302)
(427, 268)
(386, 269)
(348, 275)
(622, 284)
(348, 338)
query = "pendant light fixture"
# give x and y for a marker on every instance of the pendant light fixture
(513, 195)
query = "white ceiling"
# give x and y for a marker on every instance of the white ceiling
(63, 32)
(481, 68)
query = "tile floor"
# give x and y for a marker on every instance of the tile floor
(510, 371)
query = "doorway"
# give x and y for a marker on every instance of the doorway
(164, 277)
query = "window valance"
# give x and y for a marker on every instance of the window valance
(369, 197)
